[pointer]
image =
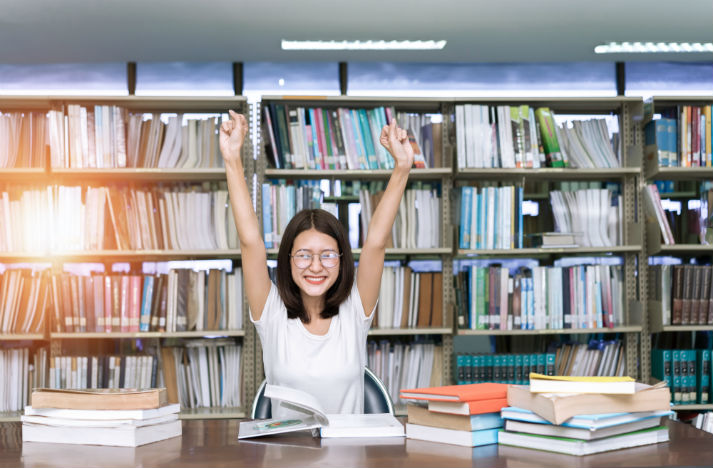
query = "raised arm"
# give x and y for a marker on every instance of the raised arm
(371, 262)
(254, 256)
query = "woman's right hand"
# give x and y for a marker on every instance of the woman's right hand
(232, 136)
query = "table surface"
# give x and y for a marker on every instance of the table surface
(214, 443)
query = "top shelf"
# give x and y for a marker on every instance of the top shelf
(180, 104)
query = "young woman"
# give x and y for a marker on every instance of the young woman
(313, 324)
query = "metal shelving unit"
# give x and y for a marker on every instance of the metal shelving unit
(49, 176)
(653, 242)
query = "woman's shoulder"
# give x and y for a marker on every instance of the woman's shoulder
(274, 306)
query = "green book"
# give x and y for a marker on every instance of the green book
(497, 369)
(488, 365)
(703, 358)
(548, 132)
(676, 387)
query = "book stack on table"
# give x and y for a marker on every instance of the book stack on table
(585, 415)
(118, 417)
(467, 415)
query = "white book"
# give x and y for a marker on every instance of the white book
(330, 425)
(122, 436)
(582, 447)
(60, 413)
(581, 433)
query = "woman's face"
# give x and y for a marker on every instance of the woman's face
(314, 278)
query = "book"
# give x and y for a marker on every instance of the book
(557, 408)
(105, 415)
(100, 399)
(588, 384)
(122, 435)
(471, 392)
(590, 422)
(449, 436)
(329, 425)
(583, 447)
(468, 407)
(579, 433)
(424, 417)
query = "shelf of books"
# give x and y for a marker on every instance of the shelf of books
(354, 174)
(708, 407)
(146, 335)
(678, 196)
(561, 331)
(325, 153)
(109, 196)
(22, 336)
(409, 331)
(538, 252)
(139, 174)
(546, 225)
(212, 413)
(10, 416)
(145, 255)
(546, 173)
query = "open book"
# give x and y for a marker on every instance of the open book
(329, 425)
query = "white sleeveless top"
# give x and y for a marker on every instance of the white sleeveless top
(330, 367)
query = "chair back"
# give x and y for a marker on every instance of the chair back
(376, 398)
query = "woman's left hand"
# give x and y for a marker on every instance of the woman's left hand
(396, 142)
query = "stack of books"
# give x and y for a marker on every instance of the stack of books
(467, 415)
(118, 417)
(585, 415)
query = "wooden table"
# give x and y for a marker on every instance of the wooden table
(214, 443)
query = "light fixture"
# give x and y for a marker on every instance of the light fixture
(362, 45)
(654, 47)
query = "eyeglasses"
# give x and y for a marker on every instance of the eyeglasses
(328, 258)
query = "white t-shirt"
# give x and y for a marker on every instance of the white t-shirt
(330, 367)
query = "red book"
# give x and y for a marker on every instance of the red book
(470, 392)
(468, 407)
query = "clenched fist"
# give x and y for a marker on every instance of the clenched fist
(232, 136)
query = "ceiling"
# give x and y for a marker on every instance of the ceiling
(71, 31)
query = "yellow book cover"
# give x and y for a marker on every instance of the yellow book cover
(572, 378)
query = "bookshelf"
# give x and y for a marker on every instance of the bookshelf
(640, 239)
(438, 175)
(657, 168)
(61, 343)
(630, 249)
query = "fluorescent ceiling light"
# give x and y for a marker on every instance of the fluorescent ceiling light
(653, 47)
(362, 45)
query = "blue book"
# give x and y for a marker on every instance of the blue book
(590, 422)
(267, 215)
(466, 211)
(368, 142)
(673, 156)
(317, 154)
(451, 436)
(520, 230)
(145, 317)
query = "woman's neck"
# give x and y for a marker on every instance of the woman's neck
(313, 306)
